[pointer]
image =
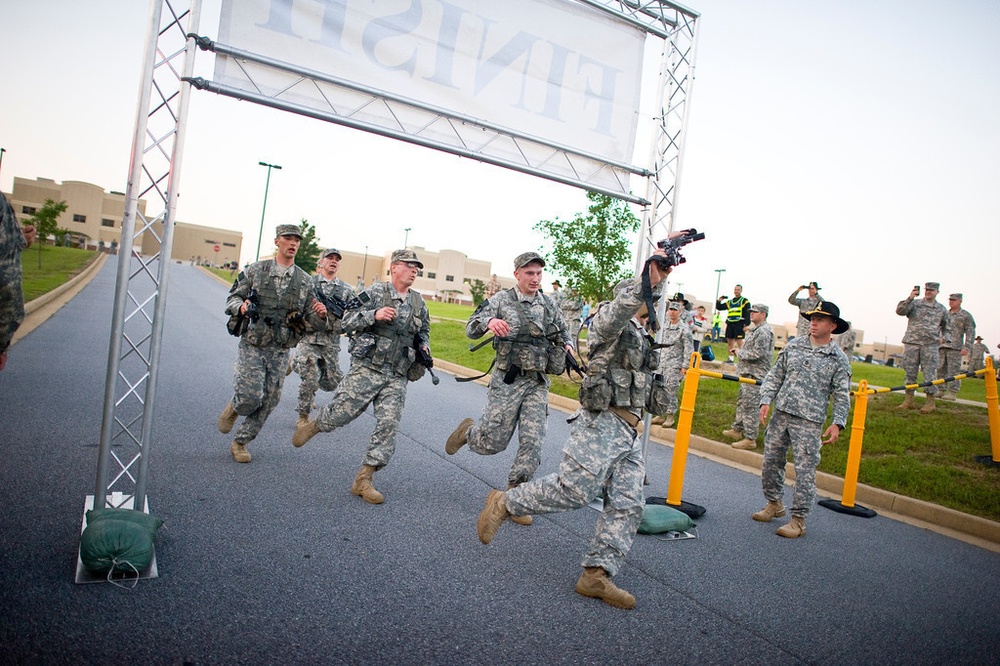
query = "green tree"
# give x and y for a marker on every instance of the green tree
(593, 251)
(45, 221)
(478, 289)
(308, 255)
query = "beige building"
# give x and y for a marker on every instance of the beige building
(93, 217)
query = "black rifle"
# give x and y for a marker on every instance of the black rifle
(339, 306)
(572, 365)
(240, 322)
(424, 358)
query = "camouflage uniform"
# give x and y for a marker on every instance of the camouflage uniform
(977, 360)
(317, 358)
(492, 287)
(920, 342)
(382, 357)
(799, 388)
(959, 332)
(674, 357)
(262, 361)
(753, 361)
(12, 243)
(571, 305)
(847, 341)
(603, 453)
(804, 305)
(523, 403)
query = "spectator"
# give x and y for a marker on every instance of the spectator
(737, 311)
(959, 330)
(924, 332)
(805, 305)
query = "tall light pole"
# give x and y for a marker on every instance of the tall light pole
(364, 266)
(267, 184)
(718, 281)
(406, 237)
(2, 151)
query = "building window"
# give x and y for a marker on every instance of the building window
(432, 275)
(229, 244)
(449, 278)
(105, 222)
(79, 218)
(420, 273)
(28, 210)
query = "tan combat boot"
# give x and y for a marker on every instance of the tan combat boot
(304, 432)
(928, 406)
(668, 421)
(745, 444)
(520, 520)
(492, 516)
(732, 433)
(907, 401)
(227, 419)
(363, 487)
(459, 437)
(239, 451)
(948, 395)
(595, 583)
(772, 510)
(303, 420)
(793, 529)
(656, 420)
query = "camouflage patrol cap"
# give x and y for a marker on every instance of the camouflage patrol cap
(526, 258)
(674, 305)
(957, 296)
(408, 256)
(331, 251)
(287, 230)
(760, 307)
(932, 285)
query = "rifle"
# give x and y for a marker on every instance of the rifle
(339, 306)
(424, 358)
(572, 365)
(240, 322)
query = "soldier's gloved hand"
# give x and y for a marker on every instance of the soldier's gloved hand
(295, 321)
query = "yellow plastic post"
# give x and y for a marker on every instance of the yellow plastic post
(991, 408)
(683, 436)
(857, 438)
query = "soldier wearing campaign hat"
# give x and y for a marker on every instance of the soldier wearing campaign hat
(270, 304)
(959, 331)
(317, 358)
(924, 332)
(387, 328)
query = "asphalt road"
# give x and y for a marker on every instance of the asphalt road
(276, 562)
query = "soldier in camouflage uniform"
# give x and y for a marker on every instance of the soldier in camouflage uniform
(286, 304)
(317, 358)
(848, 341)
(808, 372)
(675, 358)
(13, 240)
(924, 332)
(571, 305)
(959, 331)
(753, 361)
(385, 332)
(528, 329)
(604, 453)
(977, 355)
(805, 305)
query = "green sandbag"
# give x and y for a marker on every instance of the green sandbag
(659, 518)
(119, 540)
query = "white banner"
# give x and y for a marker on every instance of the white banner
(552, 69)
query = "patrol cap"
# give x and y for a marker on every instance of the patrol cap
(674, 305)
(828, 309)
(814, 285)
(526, 258)
(288, 230)
(932, 285)
(958, 296)
(407, 256)
(760, 307)
(331, 251)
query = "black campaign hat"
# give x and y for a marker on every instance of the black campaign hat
(828, 309)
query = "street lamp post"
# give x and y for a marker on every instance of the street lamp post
(718, 281)
(267, 184)
(364, 266)
(406, 237)
(2, 151)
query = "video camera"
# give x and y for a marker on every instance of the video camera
(673, 246)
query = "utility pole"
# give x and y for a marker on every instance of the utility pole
(406, 237)
(267, 184)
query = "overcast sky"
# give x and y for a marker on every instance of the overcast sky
(853, 143)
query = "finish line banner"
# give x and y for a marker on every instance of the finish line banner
(555, 70)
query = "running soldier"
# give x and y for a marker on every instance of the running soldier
(959, 331)
(317, 358)
(808, 372)
(753, 361)
(924, 332)
(675, 358)
(805, 305)
(385, 333)
(529, 336)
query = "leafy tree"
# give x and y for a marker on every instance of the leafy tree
(593, 251)
(308, 255)
(478, 289)
(45, 221)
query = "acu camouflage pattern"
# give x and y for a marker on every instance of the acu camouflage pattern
(383, 346)
(847, 341)
(803, 436)
(369, 382)
(603, 454)
(12, 243)
(275, 302)
(959, 332)
(523, 404)
(977, 357)
(258, 376)
(804, 305)
(924, 332)
(317, 358)
(571, 304)
(753, 361)
(674, 357)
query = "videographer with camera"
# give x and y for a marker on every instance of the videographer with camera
(270, 304)
(531, 341)
(604, 452)
(317, 358)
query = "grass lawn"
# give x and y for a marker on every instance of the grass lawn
(58, 266)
